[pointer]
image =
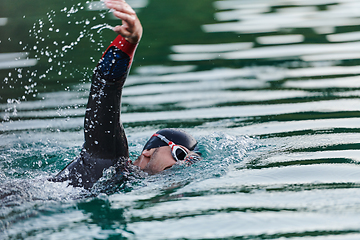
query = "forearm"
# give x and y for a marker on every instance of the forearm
(115, 63)
(104, 134)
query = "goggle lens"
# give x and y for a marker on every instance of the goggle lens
(180, 153)
(177, 152)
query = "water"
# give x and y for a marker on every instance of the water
(269, 88)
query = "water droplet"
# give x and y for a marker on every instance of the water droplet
(102, 27)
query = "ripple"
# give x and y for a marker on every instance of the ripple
(14, 60)
(344, 37)
(281, 39)
(269, 88)
(225, 225)
(344, 82)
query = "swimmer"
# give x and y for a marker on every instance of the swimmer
(105, 140)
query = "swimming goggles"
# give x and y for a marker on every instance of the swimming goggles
(177, 152)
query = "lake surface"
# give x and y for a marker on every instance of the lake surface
(270, 88)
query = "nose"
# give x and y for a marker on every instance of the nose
(146, 153)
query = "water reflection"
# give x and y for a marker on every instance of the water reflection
(276, 81)
(250, 18)
(99, 5)
(290, 15)
(16, 60)
(305, 52)
(3, 21)
(343, 37)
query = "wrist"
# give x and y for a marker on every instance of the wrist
(124, 45)
(134, 40)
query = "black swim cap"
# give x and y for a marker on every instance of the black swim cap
(177, 136)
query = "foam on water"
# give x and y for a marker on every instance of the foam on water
(269, 88)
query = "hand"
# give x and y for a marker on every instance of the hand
(131, 28)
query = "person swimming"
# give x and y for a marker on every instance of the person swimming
(105, 140)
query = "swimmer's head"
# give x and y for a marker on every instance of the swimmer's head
(165, 148)
(177, 136)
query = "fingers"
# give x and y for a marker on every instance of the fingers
(131, 28)
(129, 19)
(122, 10)
(122, 31)
(120, 6)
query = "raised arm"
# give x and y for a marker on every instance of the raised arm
(105, 141)
(104, 134)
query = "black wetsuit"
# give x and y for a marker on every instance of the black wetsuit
(105, 141)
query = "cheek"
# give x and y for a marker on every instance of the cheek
(160, 161)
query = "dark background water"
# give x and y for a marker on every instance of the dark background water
(269, 88)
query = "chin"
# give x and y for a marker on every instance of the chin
(153, 171)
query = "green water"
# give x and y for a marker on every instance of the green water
(269, 88)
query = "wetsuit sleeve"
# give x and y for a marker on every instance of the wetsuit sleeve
(104, 133)
(105, 141)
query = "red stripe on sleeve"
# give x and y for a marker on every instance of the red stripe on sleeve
(122, 44)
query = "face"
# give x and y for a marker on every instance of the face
(156, 160)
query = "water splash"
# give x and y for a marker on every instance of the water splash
(221, 153)
(49, 44)
(101, 27)
(10, 109)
